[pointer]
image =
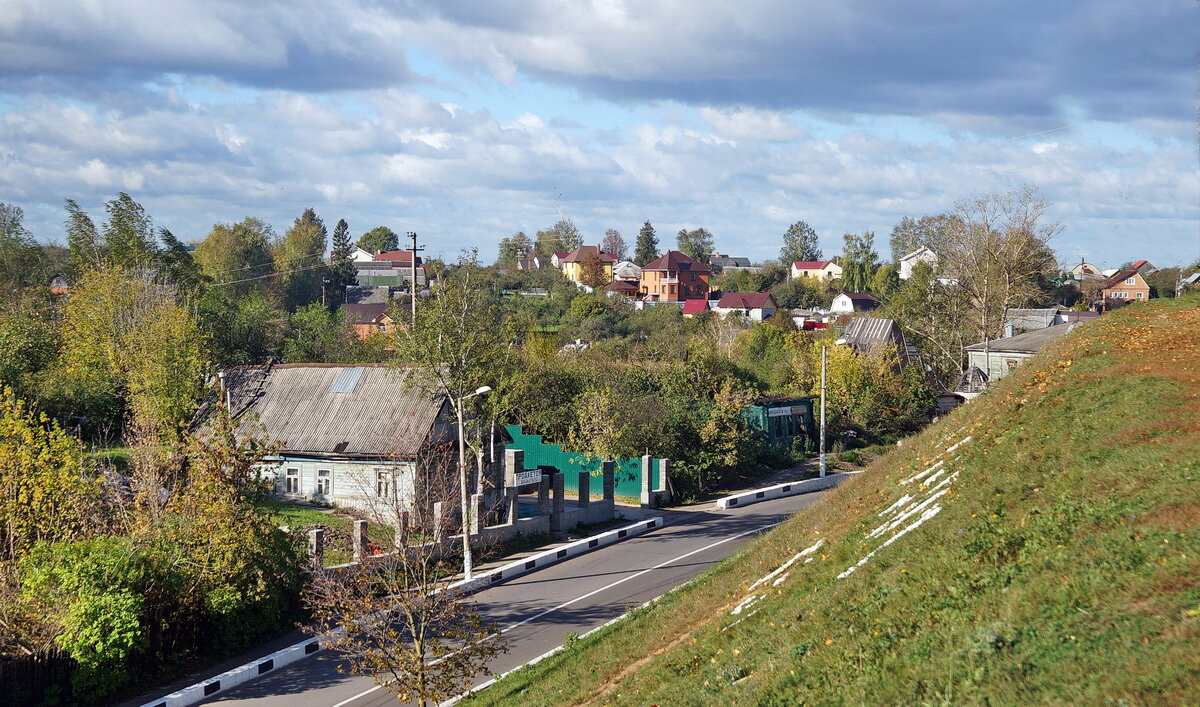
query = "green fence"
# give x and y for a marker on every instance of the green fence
(539, 454)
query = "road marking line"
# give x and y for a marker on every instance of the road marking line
(364, 693)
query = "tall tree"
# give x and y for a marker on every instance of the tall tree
(238, 257)
(379, 238)
(562, 237)
(646, 248)
(513, 248)
(591, 271)
(21, 262)
(129, 234)
(83, 241)
(933, 232)
(697, 244)
(859, 261)
(800, 242)
(614, 244)
(342, 272)
(301, 260)
(176, 264)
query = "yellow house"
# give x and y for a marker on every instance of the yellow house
(575, 266)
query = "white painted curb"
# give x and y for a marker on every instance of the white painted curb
(244, 673)
(791, 488)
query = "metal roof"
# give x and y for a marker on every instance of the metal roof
(348, 411)
(1029, 342)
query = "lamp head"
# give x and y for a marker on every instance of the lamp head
(483, 389)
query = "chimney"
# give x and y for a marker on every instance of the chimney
(1008, 330)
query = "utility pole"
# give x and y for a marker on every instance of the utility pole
(464, 497)
(822, 410)
(412, 287)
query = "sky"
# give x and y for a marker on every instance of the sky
(468, 120)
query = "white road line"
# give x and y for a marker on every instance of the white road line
(565, 604)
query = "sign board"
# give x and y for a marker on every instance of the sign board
(779, 412)
(524, 478)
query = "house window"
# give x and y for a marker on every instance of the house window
(291, 483)
(1012, 363)
(381, 326)
(324, 482)
(383, 484)
(1130, 281)
(1139, 295)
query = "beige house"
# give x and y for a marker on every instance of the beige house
(574, 264)
(821, 269)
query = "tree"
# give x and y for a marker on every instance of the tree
(798, 292)
(933, 232)
(176, 264)
(647, 245)
(614, 244)
(21, 261)
(83, 242)
(591, 271)
(342, 273)
(394, 616)
(697, 244)
(238, 257)
(513, 248)
(936, 318)
(1000, 254)
(800, 242)
(562, 237)
(301, 260)
(885, 281)
(859, 261)
(317, 335)
(380, 238)
(129, 239)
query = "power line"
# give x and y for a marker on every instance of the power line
(273, 274)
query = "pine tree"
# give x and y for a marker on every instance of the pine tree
(647, 245)
(342, 272)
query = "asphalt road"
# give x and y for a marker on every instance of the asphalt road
(536, 611)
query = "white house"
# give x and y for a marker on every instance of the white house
(755, 306)
(850, 302)
(822, 269)
(920, 255)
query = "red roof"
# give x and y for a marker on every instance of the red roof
(620, 286)
(401, 256)
(1116, 279)
(695, 306)
(811, 264)
(584, 251)
(674, 260)
(746, 300)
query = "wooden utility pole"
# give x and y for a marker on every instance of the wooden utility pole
(412, 286)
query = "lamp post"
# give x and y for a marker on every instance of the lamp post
(839, 342)
(462, 480)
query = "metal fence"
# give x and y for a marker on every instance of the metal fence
(538, 453)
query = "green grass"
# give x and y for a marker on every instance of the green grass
(1063, 567)
(341, 521)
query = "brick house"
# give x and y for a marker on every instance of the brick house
(368, 319)
(674, 277)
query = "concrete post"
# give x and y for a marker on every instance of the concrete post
(664, 483)
(514, 461)
(585, 489)
(316, 547)
(609, 472)
(559, 506)
(477, 510)
(401, 538)
(544, 496)
(359, 541)
(647, 482)
(438, 521)
(511, 500)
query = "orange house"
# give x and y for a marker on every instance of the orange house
(674, 277)
(368, 319)
(1123, 288)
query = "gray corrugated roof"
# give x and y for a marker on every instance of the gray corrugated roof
(865, 333)
(1030, 318)
(383, 414)
(1029, 342)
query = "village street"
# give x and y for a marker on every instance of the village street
(538, 610)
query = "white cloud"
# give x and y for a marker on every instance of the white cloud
(750, 124)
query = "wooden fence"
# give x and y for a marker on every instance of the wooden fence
(34, 679)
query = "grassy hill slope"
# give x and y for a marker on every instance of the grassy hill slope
(1040, 544)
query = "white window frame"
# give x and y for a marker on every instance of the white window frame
(384, 482)
(1130, 281)
(291, 480)
(324, 482)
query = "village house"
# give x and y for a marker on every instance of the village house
(392, 268)
(693, 307)
(755, 306)
(371, 437)
(369, 318)
(1123, 288)
(628, 271)
(821, 269)
(719, 262)
(574, 265)
(921, 255)
(850, 302)
(1086, 271)
(999, 357)
(674, 277)
(872, 334)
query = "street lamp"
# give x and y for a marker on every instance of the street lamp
(462, 480)
(839, 342)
